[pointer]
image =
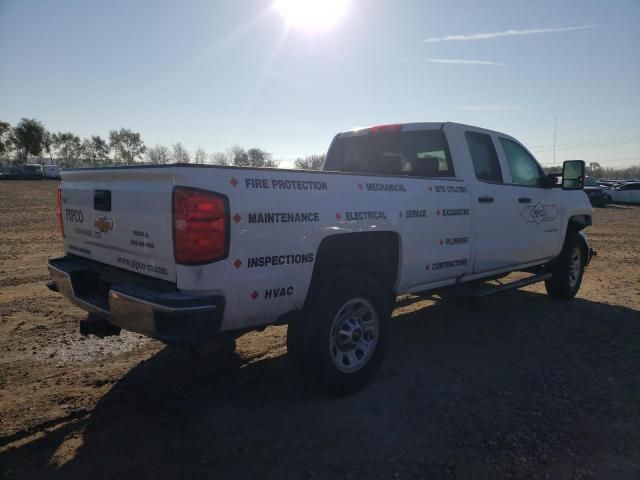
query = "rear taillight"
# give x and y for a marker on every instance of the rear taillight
(200, 226)
(60, 210)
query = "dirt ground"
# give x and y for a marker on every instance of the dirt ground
(515, 386)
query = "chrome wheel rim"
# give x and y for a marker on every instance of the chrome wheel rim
(354, 335)
(575, 266)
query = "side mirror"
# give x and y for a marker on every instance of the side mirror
(573, 175)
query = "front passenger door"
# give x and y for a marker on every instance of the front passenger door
(537, 209)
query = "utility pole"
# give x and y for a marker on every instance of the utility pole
(555, 129)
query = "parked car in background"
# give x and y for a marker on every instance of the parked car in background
(627, 193)
(52, 171)
(11, 173)
(30, 171)
(597, 194)
(607, 184)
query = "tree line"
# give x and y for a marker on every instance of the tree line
(30, 139)
(594, 169)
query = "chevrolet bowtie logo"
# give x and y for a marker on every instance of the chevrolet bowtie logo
(103, 224)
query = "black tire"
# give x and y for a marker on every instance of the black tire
(567, 269)
(323, 354)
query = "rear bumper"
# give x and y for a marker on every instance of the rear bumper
(138, 304)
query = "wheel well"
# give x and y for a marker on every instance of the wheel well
(578, 222)
(582, 240)
(374, 253)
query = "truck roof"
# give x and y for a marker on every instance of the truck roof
(407, 127)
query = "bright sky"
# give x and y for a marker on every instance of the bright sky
(214, 73)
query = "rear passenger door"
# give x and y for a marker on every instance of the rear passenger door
(494, 224)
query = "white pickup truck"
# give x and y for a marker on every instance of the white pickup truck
(190, 253)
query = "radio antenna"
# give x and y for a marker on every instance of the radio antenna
(555, 129)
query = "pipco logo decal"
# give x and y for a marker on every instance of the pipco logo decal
(539, 213)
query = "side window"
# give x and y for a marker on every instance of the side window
(484, 157)
(426, 154)
(421, 153)
(524, 169)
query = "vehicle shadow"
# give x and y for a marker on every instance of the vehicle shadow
(515, 384)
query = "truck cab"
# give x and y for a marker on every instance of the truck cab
(509, 214)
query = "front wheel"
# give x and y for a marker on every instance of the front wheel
(339, 345)
(567, 270)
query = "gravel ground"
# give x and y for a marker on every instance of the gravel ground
(515, 386)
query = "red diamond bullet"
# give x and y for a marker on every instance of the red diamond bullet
(427, 267)
(233, 181)
(438, 212)
(254, 295)
(430, 189)
(338, 216)
(440, 242)
(237, 263)
(359, 186)
(237, 218)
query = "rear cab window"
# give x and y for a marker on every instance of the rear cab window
(416, 153)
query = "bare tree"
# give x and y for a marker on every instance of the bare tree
(219, 158)
(180, 154)
(594, 169)
(237, 156)
(310, 162)
(200, 156)
(254, 157)
(260, 158)
(158, 155)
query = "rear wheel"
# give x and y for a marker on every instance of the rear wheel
(568, 269)
(340, 343)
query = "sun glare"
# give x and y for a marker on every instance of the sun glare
(312, 15)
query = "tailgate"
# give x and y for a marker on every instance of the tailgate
(121, 217)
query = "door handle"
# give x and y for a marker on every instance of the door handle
(524, 200)
(485, 199)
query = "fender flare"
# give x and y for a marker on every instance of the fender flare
(590, 252)
(580, 221)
